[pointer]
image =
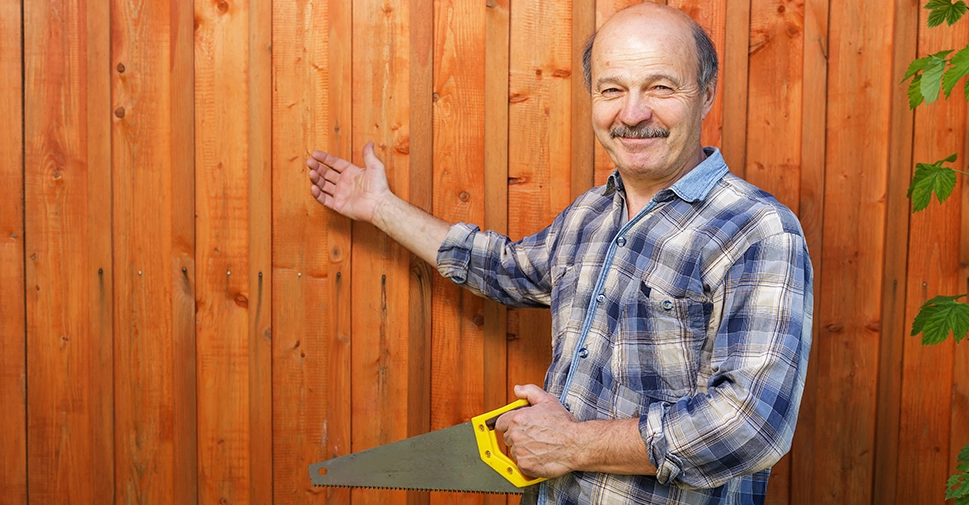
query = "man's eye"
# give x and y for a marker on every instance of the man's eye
(610, 91)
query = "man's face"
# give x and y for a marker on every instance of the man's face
(646, 105)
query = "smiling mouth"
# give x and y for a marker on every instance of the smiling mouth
(639, 132)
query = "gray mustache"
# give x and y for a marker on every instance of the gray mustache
(639, 132)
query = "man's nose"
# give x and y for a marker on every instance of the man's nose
(635, 110)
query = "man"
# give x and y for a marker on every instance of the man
(681, 296)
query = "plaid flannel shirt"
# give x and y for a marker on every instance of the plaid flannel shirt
(693, 316)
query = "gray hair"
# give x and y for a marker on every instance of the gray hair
(708, 64)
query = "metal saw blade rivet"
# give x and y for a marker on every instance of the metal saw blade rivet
(488, 454)
(480, 427)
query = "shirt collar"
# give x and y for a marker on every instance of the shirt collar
(692, 187)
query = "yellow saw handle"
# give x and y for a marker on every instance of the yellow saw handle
(484, 434)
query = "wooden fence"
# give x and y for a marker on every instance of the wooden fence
(182, 323)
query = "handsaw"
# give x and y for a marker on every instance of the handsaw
(465, 457)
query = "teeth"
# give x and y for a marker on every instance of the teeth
(407, 489)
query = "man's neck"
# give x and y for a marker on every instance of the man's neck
(639, 192)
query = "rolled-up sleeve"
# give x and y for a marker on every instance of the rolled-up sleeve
(744, 421)
(515, 273)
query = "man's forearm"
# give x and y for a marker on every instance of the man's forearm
(612, 446)
(416, 230)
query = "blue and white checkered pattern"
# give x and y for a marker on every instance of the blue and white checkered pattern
(694, 316)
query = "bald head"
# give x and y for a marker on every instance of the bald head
(640, 17)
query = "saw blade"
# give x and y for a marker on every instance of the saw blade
(443, 460)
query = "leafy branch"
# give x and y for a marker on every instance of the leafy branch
(942, 315)
(958, 485)
(932, 178)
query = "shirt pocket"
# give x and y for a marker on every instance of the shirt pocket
(658, 349)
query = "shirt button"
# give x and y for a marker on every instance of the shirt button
(583, 353)
(601, 298)
(567, 407)
(667, 305)
(621, 241)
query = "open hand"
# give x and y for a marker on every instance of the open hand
(346, 188)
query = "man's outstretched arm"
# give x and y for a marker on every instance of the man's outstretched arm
(363, 194)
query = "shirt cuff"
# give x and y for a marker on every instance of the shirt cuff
(454, 255)
(668, 467)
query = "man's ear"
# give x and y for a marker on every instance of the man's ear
(708, 95)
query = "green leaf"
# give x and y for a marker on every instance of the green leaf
(932, 178)
(940, 316)
(963, 459)
(919, 64)
(945, 10)
(915, 97)
(957, 486)
(958, 68)
(932, 79)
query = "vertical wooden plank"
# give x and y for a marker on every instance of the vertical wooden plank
(419, 147)
(13, 335)
(260, 252)
(895, 325)
(933, 268)
(380, 293)
(311, 248)
(142, 227)
(539, 156)
(99, 241)
(458, 373)
(67, 231)
(960, 373)
(185, 464)
(583, 138)
(301, 281)
(496, 75)
(859, 104)
(811, 213)
(736, 47)
(773, 152)
(222, 241)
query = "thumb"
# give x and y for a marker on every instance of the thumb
(370, 159)
(533, 394)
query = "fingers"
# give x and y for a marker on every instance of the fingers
(322, 161)
(534, 394)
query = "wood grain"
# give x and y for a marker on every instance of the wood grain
(381, 268)
(260, 143)
(810, 211)
(583, 138)
(458, 346)
(895, 325)
(495, 198)
(222, 250)
(419, 148)
(142, 227)
(859, 79)
(66, 168)
(185, 454)
(539, 157)
(13, 333)
(736, 49)
(311, 373)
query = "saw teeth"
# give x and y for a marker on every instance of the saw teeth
(409, 489)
